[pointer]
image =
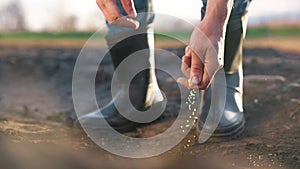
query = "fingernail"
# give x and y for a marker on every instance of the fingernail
(196, 80)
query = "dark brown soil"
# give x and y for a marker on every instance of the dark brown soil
(37, 113)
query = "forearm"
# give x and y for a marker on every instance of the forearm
(216, 16)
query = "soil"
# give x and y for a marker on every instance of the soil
(37, 115)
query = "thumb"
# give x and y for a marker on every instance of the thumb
(197, 67)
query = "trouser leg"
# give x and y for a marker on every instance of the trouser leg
(143, 88)
(232, 120)
(123, 42)
(235, 34)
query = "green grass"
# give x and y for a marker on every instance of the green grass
(47, 35)
(273, 32)
(260, 32)
(173, 34)
(251, 33)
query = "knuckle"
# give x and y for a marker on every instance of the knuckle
(196, 68)
(112, 19)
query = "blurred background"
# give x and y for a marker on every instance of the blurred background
(41, 39)
(77, 20)
(68, 15)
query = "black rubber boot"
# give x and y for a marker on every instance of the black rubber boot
(232, 121)
(143, 92)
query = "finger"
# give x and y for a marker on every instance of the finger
(187, 50)
(110, 10)
(185, 70)
(206, 80)
(185, 66)
(196, 69)
(126, 22)
(186, 63)
(187, 60)
(113, 16)
(129, 8)
(184, 82)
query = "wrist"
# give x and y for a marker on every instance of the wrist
(213, 30)
(215, 33)
(212, 27)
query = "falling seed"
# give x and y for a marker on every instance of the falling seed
(189, 141)
(187, 121)
(190, 83)
(192, 93)
(187, 126)
(181, 126)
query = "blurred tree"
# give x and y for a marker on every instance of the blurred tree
(69, 23)
(12, 17)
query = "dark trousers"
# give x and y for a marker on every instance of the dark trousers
(235, 33)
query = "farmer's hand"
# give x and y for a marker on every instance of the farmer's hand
(113, 15)
(202, 59)
(205, 54)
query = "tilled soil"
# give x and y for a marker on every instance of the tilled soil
(37, 115)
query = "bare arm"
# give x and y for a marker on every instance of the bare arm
(216, 17)
(205, 54)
